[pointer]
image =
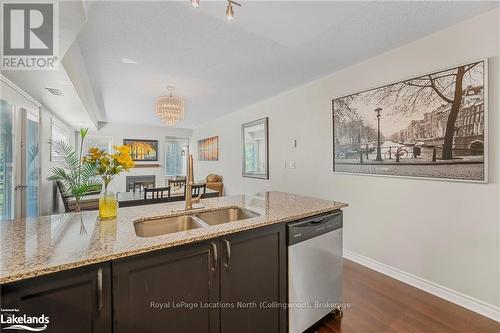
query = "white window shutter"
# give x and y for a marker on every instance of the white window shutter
(57, 133)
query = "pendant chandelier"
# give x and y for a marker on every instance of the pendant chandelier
(170, 108)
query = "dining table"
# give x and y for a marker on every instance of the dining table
(136, 198)
(131, 198)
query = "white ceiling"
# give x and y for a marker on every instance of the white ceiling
(221, 66)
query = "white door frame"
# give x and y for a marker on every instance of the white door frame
(24, 113)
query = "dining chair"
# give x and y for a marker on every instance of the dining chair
(70, 203)
(177, 183)
(158, 194)
(143, 184)
(197, 189)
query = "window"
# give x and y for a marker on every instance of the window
(176, 151)
(57, 133)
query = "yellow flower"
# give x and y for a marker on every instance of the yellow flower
(94, 155)
(110, 164)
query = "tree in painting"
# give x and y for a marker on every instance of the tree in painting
(441, 87)
(429, 126)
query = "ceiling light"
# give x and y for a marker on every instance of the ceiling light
(170, 108)
(229, 9)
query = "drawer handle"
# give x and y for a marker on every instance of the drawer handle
(228, 254)
(215, 259)
(100, 303)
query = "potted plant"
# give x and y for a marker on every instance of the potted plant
(77, 175)
(107, 166)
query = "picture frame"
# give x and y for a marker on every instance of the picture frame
(102, 142)
(208, 149)
(423, 137)
(255, 148)
(143, 150)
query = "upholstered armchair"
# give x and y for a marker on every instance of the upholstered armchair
(214, 182)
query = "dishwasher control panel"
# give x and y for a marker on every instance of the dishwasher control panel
(313, 226)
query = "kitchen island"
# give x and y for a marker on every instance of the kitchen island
(115, 266)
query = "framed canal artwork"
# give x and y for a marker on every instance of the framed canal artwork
(208, 149)
(142, 150)
(431, 126)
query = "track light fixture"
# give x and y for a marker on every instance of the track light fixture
(229, 9)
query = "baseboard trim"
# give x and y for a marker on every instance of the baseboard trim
(471, 303)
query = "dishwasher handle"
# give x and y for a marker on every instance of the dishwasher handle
(314, 223)
(314, 226)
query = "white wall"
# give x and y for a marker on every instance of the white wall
(453, 238)
(127, 131)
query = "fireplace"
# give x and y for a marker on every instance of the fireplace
(131, 182)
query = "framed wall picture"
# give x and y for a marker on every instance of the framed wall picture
(431, 126)
(142, 150)
(208, 149)
(255, 152)
(99, 141)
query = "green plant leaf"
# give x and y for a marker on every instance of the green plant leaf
(83, 133)
(79, 177)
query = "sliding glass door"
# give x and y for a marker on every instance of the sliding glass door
(19, 161)
(7, 161)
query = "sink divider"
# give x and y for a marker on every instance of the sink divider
(200, 221)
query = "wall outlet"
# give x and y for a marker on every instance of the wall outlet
(290, 164)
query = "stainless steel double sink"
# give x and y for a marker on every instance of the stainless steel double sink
(170, 224)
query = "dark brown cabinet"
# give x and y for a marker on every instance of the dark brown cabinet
(167, 291)
(77, 300)
(236, 283)
(232, 284)
(253, 278)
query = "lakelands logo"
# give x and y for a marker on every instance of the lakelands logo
(29, 36)
(10, 319)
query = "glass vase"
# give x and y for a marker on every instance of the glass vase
(108, 205)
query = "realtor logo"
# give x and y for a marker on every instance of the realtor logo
(12, 319)
(29, 36)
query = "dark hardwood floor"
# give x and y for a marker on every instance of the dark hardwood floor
(382, 304)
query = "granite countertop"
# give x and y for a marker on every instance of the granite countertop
(35, 246)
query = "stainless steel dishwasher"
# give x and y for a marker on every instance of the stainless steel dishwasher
(314, 269)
